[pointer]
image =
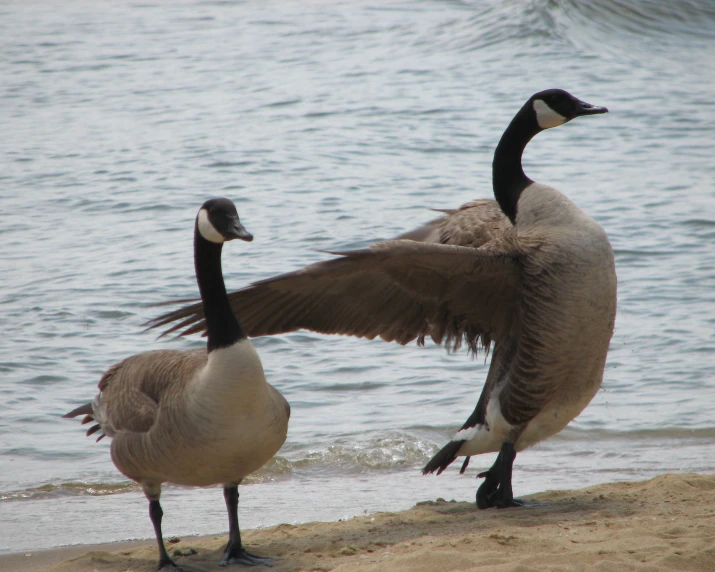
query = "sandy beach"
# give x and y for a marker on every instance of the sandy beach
(666, 523)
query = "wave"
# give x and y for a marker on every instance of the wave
(660, 433)
(355, 455)
(379, 453)
(348, 455)
(71, 489)
(644, 17)
(494, 24)
(548, 23)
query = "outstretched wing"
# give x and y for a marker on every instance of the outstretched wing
(399, 290)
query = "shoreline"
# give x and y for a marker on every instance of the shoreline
(666, 523)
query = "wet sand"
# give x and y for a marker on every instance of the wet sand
(667, 523)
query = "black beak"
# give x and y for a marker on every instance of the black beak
(588, 109)
(237, 230)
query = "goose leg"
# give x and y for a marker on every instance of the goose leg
(152, 491)
(235, 552)
(496, 488)
(156, 514)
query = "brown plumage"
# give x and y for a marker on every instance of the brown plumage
(166, 421)
(474, 224)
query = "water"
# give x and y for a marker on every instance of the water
(332, 125)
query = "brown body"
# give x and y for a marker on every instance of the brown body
(181, 417)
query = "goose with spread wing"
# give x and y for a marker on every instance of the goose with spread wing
(529, 272)
(195, 417)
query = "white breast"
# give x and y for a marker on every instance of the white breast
(232, 375)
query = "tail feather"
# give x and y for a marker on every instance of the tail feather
(85, 409)
(93, 429)
(444, 458)
(88, 413)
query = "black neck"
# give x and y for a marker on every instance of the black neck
(222, 326)
(508, 176)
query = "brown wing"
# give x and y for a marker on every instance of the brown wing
(132, 390)
(399, 290)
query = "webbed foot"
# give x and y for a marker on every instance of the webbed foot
(496, 490)
(492, 494)
(242, 556)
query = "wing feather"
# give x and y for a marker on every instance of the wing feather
(132, 390)
(400, 290)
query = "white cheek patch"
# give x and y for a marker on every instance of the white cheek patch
(207, 230)
(547, 117)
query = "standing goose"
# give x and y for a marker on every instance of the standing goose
(198, 417)
(530, 272)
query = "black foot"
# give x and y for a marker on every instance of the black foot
(492, 493)
(242, 556)
(509, 503)
(525, 504)
(496, 491)
(486, 493)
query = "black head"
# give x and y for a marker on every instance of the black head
(554, 107)
(218, 222)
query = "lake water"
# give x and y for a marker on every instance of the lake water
(332, 125)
